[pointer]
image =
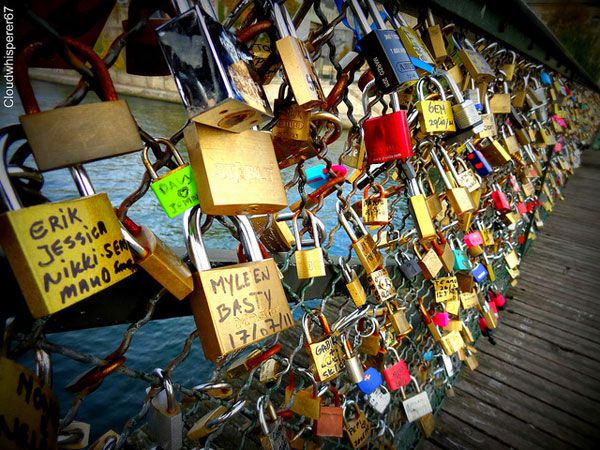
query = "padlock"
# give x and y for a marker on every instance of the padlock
(165, 420)
(363, 244)
(429, 261)
(417, 204)
(435, 116)
(509, 140)
(498, 299)
(143, 55)
(248, 361)
(500, 200)
(512, 258)
(375, 208)
(67, 136)
(296, 61)
(409, 267)
(461, 260)
(325, 353)
(396, 375)
(222, 325)
(353, 284)
(274, 232)
(451, 342)
(494, 152)
(158, 260)
(417, 405)
(433, 328)
(466, 115)
(30, 410)
(212, 73)
(358, 429)
(309, 263)
(105, 441)
(212, 420)
(354, 366)
(383, 51)
(295, 134)
(434, 39)
(509, 67)
(444, 251)
(479, 273)
(476, 65)
(175, 190)
(380, 399)
(274, 435)
(234, 180)
(416, 49)
(500, 101)
(490, 128)
(381, 285)
(387, 137)
(46, 244)
(371, 381)
(398, 319)
(445, 288)
(458, 197)
(434, 203)
(478, 161)
(488, 315)
(306, 402)
(331, 420)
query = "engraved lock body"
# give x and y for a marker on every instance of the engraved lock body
(396, 375)
(435, 116)
(325, 353)
(416, 405)
(236, 102)
(398, 319)
(429, 261)
(310, 263)
(384, 52)
(375, 208)
(381, 285)
(47, 283)
(274, 232)
(222, 326)
(175, 190)
(274, 434)
(296, 61)
(234, 180)
(476, 65)
(363, 244)
(55, 145)
(356, 425)
(353, 284)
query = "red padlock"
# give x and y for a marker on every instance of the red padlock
(500, 200)
(387, 138)
(396, 375)
(497, 299)
(522, 208)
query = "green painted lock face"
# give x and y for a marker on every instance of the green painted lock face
(461, 261)
(176, 190)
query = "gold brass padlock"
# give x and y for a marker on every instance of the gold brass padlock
(381, 285)
(430, 262)
(353, 284)
(309, 263)
(375, 208)
(325, 353)
(274, 233)
(358, 429)
(398, 319)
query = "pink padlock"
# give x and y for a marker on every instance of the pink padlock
(441, 319)
(497, 298)
(494, 309)
(473, 239)
(522, 208)
(500, 200)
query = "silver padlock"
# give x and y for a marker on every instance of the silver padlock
(165, 422)
(465, 112)
(354, 366)
(417, 405)
(380, 399)
(275, 437)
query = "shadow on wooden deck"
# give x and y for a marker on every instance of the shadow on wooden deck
(539, 387)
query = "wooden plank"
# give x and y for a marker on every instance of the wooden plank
(520, 302)
(454, 434)
(554, 396)
(502, 396)
(495, 422)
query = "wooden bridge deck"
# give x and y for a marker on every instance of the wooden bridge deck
(539, 387)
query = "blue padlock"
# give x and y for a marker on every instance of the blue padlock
(545, 78)
(478, 161)
(479, 273)
(371, 381)
(317, 176)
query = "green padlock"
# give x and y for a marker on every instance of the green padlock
(175, 190)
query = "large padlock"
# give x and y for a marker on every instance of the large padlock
(49, 245)
(310, 263)
(387, 138)
(222, 324)
(363, 244)
(234, 180)
(383, 51)
(396, 375)
(212, 72)
(274, 435)
(331, 420)
(143, 55)
(30, 409)
(466, 115)
(435, 116)
(295, 134)
(418, 404)
(175, 190)
(296, 61)
(165, 420)
(325, 353)
(72, 135)
(357, 427)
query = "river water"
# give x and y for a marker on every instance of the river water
(156, 343)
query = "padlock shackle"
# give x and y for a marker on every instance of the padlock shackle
(341, 212)
(248, 238)
(376, 15)
(306, 325)
(167, 385)
(314, 229)
(43, 366)
(424, 312)
(23, 82)
(232, 411)
(360, 16)
(192, 229)
(439, 166)
(381, 191)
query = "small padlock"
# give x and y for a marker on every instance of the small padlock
(396, 375)
(309, 263)
(417, 204)
(175, 190)
(375, 208)
(417, 405)
(430, 262)
(381, 285)
(353, 284)
(398, 319)
(500, 200)
(494, 152)
(331, 420)
(325, 352)
(358, 429)
(212, 420)
(435, 38)
(409, 267)
(165, 421)
(380, 399)
(444, 251)
(354, 366)
(274, 435)
(306, 402)
(416, 49)
(478, 161)
(479, 273)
